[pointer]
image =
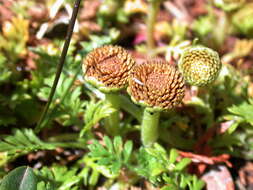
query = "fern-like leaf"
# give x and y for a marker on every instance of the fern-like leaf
(24, 141)
(94, 113)
(109, 160)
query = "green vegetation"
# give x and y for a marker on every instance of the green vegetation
(138, 104)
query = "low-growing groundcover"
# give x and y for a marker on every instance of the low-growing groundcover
(154, 94)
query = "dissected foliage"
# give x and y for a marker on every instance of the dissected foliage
(211, 121)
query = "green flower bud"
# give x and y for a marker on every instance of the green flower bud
(200, 65)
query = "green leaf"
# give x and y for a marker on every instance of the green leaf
(67, 104)
(22, 178)
(182, 164)
(225, 140)
(173, 155)
(25, 141)
(108, 144)
(118, 144)
(97, 41)
(94, 178)
(44, 186)
(203, 25)
(127, 151)
(111, 158)
(60, 177)
(164, 170)
(244, 110)
(169, 187)
(22, 142)
(94, 113)
(196, 183)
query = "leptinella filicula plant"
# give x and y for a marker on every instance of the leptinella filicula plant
(108, 68)
(156, 86)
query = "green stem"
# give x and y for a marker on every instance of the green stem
(153, 8)
(64, 137)
(69, 145)
(149, 127)
(127, 105)
(112, 122)
(60, 64)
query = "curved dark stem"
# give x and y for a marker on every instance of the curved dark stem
(60, 64)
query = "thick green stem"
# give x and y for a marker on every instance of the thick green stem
(113, 121)
(149, 127)
(153, 9)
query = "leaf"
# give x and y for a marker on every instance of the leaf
(169, 187)
(108, 144)
(97, 41)
(173, 155)
(118, 144)
(67, 104)
(225, 140)
(94, 113)
(22, 142)
(127, 150)
(244, 110)
(22, 178)
(44, 186)
(94, 178)
(162, 169)
(109, 159)
(5, 72)
(182, 164)
(203, 25)
(60, 177)
(15, 37)
(25, 141)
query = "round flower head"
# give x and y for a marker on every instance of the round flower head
(156, 85)
(199, 65)
(108, 68)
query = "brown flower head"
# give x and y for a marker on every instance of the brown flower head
(156, 84)
(108, 68)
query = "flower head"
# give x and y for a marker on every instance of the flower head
(199, 65)
(156, 85)
(108, 68)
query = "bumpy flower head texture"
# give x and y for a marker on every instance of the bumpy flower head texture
(200, 65)
(156, 85)
(108, 68)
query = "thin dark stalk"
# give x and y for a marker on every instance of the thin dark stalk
(62, 98)
(60, 64)
(153, 9)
